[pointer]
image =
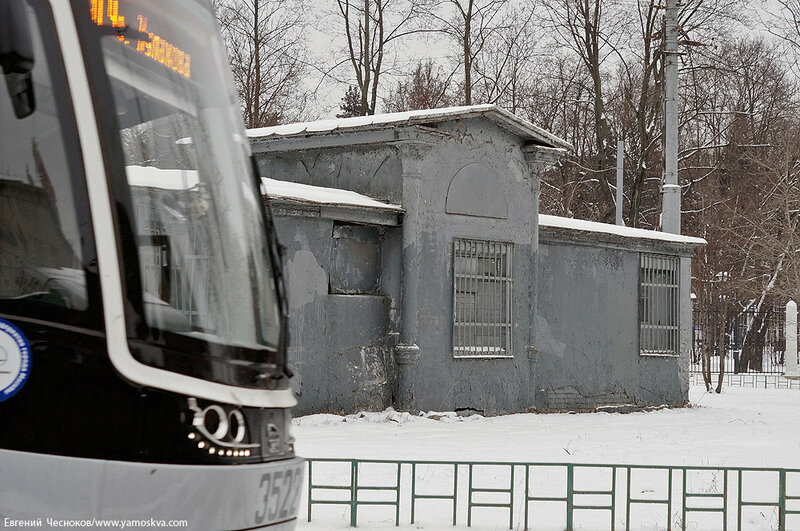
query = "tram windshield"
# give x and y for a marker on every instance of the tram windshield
(201, 239)
(47, 257)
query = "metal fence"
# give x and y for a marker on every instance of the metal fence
(752, 380)
(745, 341)
(553, 495)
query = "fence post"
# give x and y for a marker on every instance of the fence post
(790, 355)
(782, 500)
(570, 499)
(354, 494)
(310, 486)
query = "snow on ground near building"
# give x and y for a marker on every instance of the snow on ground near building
(739, 428)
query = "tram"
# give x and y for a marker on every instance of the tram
(143, 371)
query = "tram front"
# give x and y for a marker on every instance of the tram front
(143, 333)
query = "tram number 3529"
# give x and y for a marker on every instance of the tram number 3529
(279, 491)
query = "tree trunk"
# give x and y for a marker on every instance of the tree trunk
(709, 340)
(468, 56)
(366, 63)
(722, 350)
(255, 89)
(753, 345)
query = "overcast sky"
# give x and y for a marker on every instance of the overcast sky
(328, 90)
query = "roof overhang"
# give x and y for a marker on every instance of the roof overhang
(415, 126)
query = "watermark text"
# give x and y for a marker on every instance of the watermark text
(88, 523)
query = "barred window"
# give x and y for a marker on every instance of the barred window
(482, 288)
(659, 324)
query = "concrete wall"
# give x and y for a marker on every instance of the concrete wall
(587, 326)
(340, 342)
(490, 162)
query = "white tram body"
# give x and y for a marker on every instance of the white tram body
(143, 371)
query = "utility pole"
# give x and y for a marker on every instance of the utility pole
(620, 162)
(670, 190)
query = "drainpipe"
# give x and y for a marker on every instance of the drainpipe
(407, 353)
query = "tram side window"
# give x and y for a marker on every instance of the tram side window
(44, 216)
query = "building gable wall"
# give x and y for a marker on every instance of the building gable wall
(503, 209)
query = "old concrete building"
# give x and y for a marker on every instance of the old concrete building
(421, 276)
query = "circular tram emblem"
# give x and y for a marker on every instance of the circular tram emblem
(15, 359)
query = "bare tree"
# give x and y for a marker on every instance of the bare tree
(371, 27)
(641, 92)
(788, 27)
(267, 52)
(742, 183)
(590, 30)
(428, 88)
(619, 46)
(505, 71)
(470, 24)
(560, 101)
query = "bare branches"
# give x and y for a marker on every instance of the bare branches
(748, 134)
(469, 24)
(584, 26)
(267, 53)
(370, 27)
(428, 88)
(591, 72)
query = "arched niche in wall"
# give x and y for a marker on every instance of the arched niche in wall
(475, 191)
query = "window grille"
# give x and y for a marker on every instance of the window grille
(659, 323)
(482, 296)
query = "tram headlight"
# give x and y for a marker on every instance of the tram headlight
(215, 422)
(223, 432)
(236, 426)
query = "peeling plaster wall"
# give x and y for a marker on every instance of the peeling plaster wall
(340, 344)
(587, 332)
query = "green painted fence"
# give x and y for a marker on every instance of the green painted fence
(513, 493)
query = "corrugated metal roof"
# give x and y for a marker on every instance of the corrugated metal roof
(501, 117)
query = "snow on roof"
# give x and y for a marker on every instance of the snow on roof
(618, 230)
(494, 113)
(307, 193)
(151, 177)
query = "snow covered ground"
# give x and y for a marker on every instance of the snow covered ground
(740, 428)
